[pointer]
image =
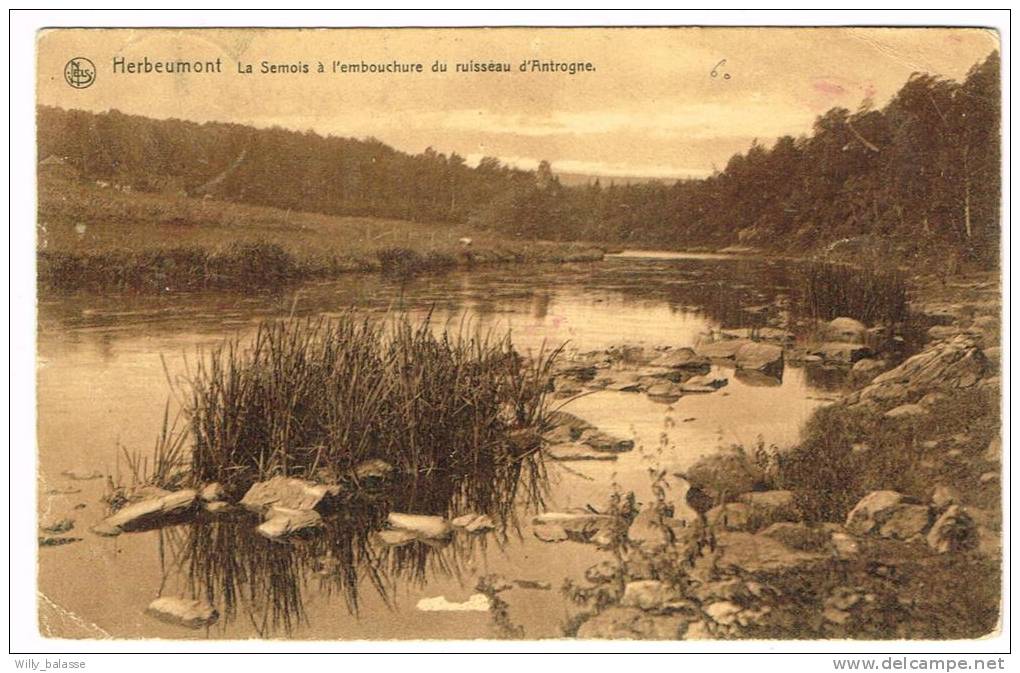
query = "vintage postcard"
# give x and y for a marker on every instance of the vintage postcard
(650, 333)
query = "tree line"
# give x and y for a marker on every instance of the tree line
(924, 171)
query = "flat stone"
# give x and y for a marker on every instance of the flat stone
(289, 493)
(426, 526)
(474, 523)
(474, 603)
(550, 532)
(797, 535)
(603, 441)
(395, 537)
(282, 522)
(681, 358)
(148, 513)
(722, 350)
(759, 356)
(192, 614)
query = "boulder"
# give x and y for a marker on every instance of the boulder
(846, 330)
(904, 521)
(149, 513)
(619, 622)
(432, 527)
(193, 614)
(756, 379)
(800, 536)
(289, 493)
(845, 546)
(954, 531)
(889, 514)
(866, 369)
(282, 522)
(647, 595)
(871, 511)
(650, 530)
(722, 350)
(760, 357)
(840, 351)
(993, 355)
(753, 553)
(724, 474)
(957, 363)
(730, 516)
(681, 358)
(769, 507)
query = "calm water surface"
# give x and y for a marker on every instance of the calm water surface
(103, 367)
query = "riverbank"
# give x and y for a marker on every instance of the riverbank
(96, 236)
(865, 529)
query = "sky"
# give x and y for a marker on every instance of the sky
(660, 102)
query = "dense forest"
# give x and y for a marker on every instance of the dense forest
(923, 171)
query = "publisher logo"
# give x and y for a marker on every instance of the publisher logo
(80, 72)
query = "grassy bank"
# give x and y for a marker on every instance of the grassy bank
(95, 237)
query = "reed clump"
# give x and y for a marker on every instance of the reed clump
(314, 398)
(873, 294)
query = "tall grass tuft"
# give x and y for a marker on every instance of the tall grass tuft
(872, 295)
(313, 398)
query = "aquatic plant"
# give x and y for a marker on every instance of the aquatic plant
(873, 295)
(314, 398)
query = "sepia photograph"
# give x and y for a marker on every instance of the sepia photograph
(594, 334)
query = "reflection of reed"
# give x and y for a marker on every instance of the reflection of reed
(224, 560)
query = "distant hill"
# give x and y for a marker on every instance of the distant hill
(585, 179)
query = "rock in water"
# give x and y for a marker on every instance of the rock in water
(550, 532)
(603, 441)
(375, 470)
(433, 527)
(282, 522)
(722, 350)
(289, 493)
(475, 603)
(839, 351)
(954, 531)
(148, 513)
(681, 358)
(183, 612)
(473, 523)
(760, 357)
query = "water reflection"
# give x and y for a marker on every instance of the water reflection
(222, 560)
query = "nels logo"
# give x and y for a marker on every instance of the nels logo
(80, 72)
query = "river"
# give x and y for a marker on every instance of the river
(103, 369)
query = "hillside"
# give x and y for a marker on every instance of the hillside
(922, 175)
